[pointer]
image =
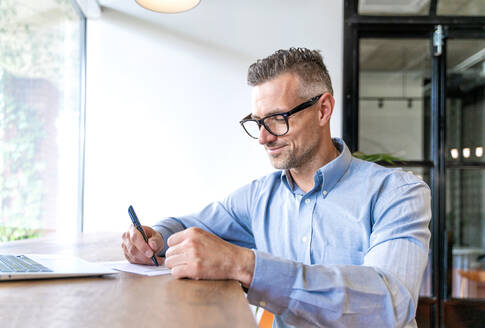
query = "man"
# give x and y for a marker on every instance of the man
(329, 240)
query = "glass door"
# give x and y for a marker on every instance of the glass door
(465, 176)
(394, 107)
(422, 101)
(465, 164)
(414, 89)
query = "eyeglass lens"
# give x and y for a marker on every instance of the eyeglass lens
(276, 125)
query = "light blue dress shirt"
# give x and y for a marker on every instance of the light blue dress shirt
(349, 253)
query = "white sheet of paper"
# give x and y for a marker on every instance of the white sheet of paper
(147, 270)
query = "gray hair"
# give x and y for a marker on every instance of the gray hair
(305, 63)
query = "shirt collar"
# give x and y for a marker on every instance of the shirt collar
(328, 175)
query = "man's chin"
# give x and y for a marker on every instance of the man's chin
(278, 163)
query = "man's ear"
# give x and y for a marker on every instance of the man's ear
(325, 110)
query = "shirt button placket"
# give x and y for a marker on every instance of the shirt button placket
(306, 213)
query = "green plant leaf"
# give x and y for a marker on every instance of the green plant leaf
(378, 157)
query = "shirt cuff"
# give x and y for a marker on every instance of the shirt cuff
(166, 228)
(272, 282)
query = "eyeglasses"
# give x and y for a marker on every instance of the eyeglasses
(276, 124)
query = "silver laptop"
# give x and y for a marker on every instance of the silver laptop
(40, 266)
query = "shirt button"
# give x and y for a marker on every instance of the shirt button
(307, 200)
(262, 303)
(324, 193)
(304, 239)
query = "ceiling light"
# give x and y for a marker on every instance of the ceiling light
(168, 6)
(466, 152)
(479, 151)
(454, 153)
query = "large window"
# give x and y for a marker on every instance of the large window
(41, 45)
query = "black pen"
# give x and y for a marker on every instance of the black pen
(138, 227)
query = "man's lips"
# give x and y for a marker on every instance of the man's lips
(274, 149)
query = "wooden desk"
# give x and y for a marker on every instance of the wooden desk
(121, 300)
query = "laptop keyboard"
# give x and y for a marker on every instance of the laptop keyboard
(20, 263)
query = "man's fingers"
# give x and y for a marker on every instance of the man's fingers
(177, 249)
(187, 234)
(175, 260)
(139, 242)
(180, 271)
(134, 256)
(160, 260)
(137, 255)
(156, 242)
(176, 238)
(139, 258)
(188, 270)
(136, 249)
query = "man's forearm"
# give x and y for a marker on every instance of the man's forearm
(320, 295)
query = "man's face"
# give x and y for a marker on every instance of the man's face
(301, 143)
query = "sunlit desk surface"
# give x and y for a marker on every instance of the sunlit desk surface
(121, 300)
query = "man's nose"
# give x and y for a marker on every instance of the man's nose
(265, 137)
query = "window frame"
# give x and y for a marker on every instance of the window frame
(82, 118)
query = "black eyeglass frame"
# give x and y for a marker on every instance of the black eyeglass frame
(287, 114)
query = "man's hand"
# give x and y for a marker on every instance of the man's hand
(197, 254)
(135, 248)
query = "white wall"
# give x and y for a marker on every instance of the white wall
(162, 129)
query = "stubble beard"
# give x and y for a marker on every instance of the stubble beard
(289, 160)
